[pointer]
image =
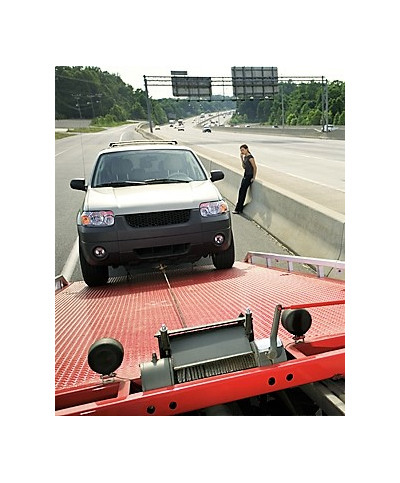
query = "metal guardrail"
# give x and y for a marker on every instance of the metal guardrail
(318, 263)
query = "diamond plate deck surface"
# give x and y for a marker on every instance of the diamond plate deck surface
(133, 311)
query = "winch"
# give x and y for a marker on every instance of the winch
(199, 352)
(193, 353)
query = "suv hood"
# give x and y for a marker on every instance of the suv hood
(150, 198)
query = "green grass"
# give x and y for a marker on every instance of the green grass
(73, 131)
(60, 135)
(90, 129)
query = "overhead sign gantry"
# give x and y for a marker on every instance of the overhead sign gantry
(246, 82)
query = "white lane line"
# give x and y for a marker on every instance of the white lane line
(61, 152)
(319, 183)
(123, 133)
(71, 262)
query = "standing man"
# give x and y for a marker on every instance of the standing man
(250, 171)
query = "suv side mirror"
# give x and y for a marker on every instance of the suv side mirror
(78, 184)
(216, 175)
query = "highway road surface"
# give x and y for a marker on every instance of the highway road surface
(312, 167)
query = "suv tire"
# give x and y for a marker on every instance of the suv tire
(93, 276)
(224, 259)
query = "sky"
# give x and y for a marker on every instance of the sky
(299, 38)
(211, 42)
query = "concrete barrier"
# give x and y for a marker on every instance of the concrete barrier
(299, 131)
(304, 227)
(72, 123)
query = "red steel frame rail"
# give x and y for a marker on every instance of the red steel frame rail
(114, 398)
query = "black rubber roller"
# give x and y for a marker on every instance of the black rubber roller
(296, 321)
(105, 356)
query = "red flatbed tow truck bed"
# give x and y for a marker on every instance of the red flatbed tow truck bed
(132, 312)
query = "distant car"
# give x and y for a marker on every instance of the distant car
(206, 129)
(181, 127)
(151, 202)
(157, 127)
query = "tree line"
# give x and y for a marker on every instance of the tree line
(301, 104)
(90, 93)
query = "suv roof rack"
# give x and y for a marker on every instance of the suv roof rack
(124, 143)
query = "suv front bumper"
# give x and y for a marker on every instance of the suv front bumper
(125, 245)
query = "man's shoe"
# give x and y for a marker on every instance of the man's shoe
(236, 212)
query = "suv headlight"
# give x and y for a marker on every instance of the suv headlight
(213, 208)
(97, 218)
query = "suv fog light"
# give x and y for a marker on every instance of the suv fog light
(99, 252)
(219, 239)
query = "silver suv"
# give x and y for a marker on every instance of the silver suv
(151, 202)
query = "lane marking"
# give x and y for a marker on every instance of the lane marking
(73, 257)
(277, 170)
(319, 183)
(71, 262)
(65, 150)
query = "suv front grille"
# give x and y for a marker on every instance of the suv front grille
(158, 218)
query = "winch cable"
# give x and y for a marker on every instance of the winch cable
(174, 299)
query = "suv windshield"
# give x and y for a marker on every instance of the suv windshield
(125, 168)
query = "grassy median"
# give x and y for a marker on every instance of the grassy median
(77, 130)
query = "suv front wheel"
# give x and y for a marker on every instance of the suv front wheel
(224, 259)
(93, 276)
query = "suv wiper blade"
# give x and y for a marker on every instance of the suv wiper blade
(119, 184)
(165, 180)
